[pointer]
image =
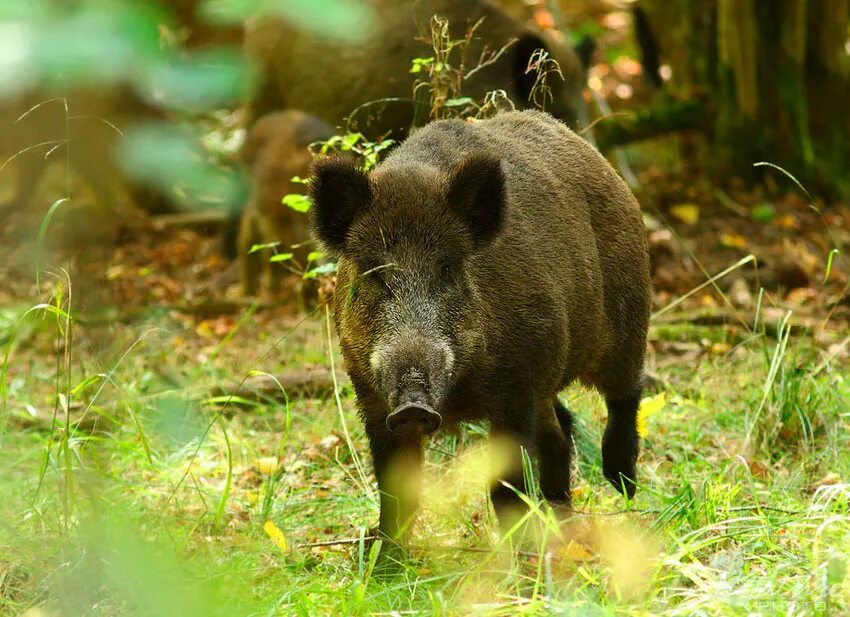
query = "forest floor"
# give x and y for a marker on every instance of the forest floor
(140, 478)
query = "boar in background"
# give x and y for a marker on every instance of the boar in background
(332, 79)
(276, 149)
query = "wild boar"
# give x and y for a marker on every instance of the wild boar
(276, 149)
(370, 81)
(482, 268)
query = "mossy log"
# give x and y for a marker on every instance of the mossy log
(623, 128)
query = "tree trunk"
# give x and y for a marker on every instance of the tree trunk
(776, 75)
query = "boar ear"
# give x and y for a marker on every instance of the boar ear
(523, 78)
(340, 193)
(476, 191)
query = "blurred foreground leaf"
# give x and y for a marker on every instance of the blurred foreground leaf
(204, 81)
(347, 20)
(172, 160)
(90, 43)
(649, 406)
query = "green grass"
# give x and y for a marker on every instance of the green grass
(150, 497)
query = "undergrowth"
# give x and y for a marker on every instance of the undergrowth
(130, 487)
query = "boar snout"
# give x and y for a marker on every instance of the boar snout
(413, 373)
(411, 403)
(414, 418)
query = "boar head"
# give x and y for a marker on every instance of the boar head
(407, 302)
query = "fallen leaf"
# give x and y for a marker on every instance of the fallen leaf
(579, 492)
(720, 348)
(707, 301)
(786, 221)
(687, 213)
(733, 241)
(829, 479)
(574, 552)
(543, 18)
(276, 535)
(204, 329)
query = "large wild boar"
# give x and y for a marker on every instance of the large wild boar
(482, 268)
(276, 149)
(331, 79)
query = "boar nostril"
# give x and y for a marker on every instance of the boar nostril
(410, 419)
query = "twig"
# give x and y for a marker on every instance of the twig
(492, 59)
(340, 542)
(188, 219)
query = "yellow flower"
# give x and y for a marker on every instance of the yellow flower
(267, 465)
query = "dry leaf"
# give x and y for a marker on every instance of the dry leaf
(276, 535)
(786, 221)
(733, 241)
(687, 213)
(720, 348)
(829, 479)
(579, 492)
(574, 551)
(204, 329)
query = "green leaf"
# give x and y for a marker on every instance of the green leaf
(458, 102)
(261, 247)
(200, 82)
(420, 63)
(349, 140)
(764, 212)
(314, 255)
(299, 203)
(281, 257)
(836, 570)
(230, 399)
(42, 232)
(829, 259)
(328, 268)
(85, 383)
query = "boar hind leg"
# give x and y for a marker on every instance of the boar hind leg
(250, 264)
(554, 449)
(398, 470)
(620, 442)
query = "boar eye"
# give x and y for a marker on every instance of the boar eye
(445, 269)
(378, 274)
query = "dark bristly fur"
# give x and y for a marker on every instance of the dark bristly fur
(491, 264)
(330, 79)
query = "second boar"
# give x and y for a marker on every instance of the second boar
(370, 81)
(482, 268)
(276, 149)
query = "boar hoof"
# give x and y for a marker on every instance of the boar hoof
(409, 419)
(621, 476)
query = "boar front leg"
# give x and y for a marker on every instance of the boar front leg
(507, 440)
(620, 442)
(398, 468)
